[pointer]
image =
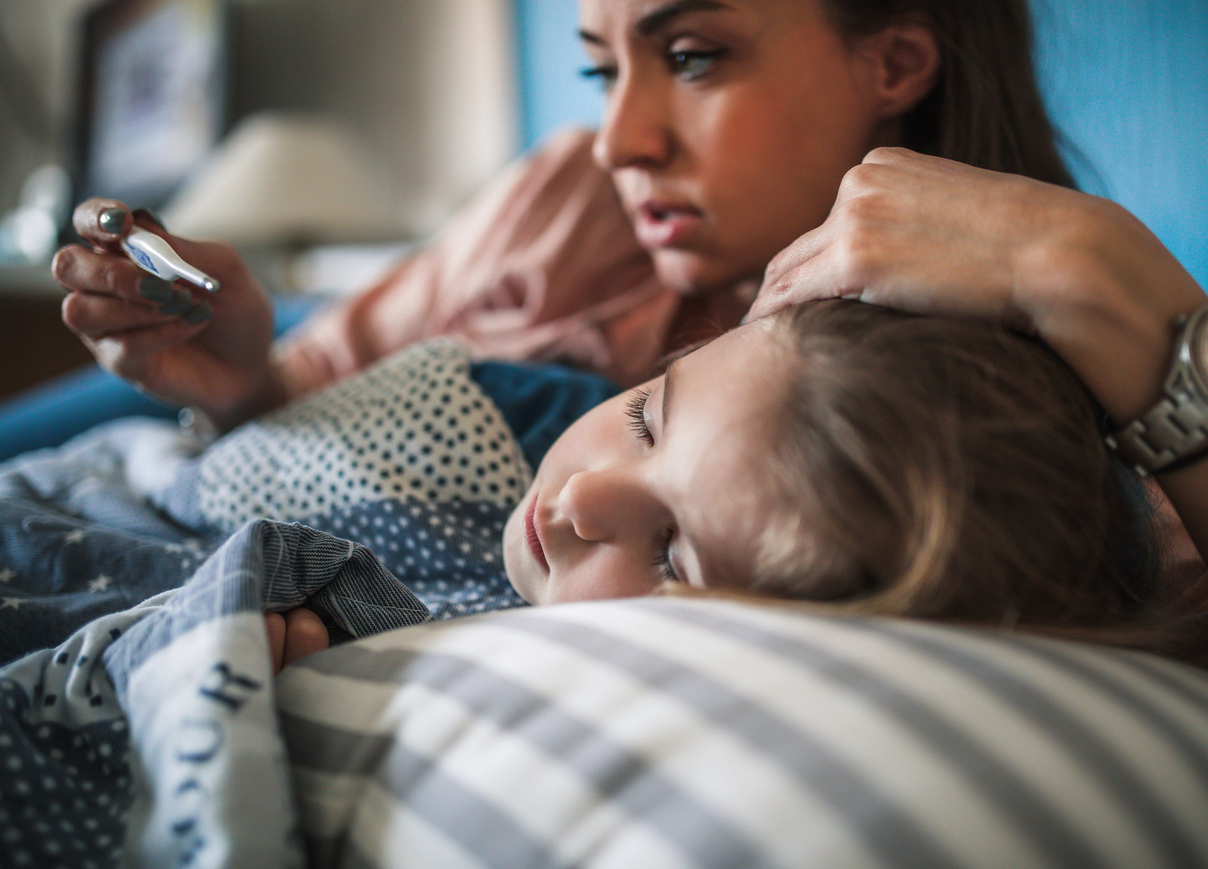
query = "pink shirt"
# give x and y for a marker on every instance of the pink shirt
(542, 265)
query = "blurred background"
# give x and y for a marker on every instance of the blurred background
(324, 136)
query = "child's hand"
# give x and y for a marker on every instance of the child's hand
(294, 634)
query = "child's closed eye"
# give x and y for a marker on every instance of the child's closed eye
(662, 556)
(636, 411)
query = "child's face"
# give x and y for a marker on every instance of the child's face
(658, 483)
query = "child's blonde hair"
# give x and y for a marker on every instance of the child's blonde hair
(953, 470)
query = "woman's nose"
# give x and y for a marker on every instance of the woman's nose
(605, 505)
(635, 130)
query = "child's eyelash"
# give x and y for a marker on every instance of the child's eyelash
(662, 556)
(636, 410)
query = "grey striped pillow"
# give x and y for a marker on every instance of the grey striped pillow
(664, 733)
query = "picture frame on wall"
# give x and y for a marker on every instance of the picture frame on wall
(153, 95)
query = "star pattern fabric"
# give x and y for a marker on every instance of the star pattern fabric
(61, 573)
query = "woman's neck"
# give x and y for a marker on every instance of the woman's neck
(703, 316)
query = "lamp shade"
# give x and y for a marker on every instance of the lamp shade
(281, 180)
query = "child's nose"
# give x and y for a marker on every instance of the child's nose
(604, 505)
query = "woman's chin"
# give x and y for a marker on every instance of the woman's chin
(690, 273)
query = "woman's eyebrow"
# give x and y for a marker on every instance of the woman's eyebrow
(660, 17)
(652, 21)
(589, 37)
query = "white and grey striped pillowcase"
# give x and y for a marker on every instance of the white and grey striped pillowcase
(666, 733)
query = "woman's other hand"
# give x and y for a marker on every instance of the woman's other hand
(173, 340)
(929, 235)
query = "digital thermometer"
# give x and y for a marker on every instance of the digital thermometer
(153, 254)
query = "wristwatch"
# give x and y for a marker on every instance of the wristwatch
(1174, 431)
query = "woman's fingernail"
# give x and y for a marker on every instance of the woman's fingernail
(154, 289)
(199, 313)
(180, 302)
(112, 220)
(150, 215)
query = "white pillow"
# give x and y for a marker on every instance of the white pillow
(664, 732)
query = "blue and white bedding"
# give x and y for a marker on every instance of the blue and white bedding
(672, 733)
(152, 729)
(135, 569)
(146, 729)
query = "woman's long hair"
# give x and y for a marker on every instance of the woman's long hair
(985, 109)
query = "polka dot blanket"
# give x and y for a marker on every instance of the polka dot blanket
(414, 428)
(410, 458)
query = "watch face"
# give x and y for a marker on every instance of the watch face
(1197, 351)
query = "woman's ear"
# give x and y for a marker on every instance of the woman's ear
(904, 62)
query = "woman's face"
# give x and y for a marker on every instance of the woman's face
(727, 127)
(657, 484)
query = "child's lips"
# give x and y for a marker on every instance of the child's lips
(532, 535)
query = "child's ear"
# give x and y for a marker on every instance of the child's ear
(904, 62)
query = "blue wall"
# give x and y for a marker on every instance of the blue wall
(552, 91)
(1126, 81)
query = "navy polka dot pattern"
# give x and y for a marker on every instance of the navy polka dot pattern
(66, 790)
(410, 458)
(415, 427)
(450, 555)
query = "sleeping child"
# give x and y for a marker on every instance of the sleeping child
(839, 456)
(856, 459)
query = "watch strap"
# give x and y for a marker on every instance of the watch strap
(1174, 430)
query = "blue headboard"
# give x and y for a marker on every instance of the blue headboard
(1126, 82)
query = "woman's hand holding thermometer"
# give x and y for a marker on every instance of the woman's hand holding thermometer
(213, 355)
(151, 253)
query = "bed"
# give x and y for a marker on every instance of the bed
(653, 732)
(141, 725)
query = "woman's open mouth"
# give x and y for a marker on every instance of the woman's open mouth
(662, 224)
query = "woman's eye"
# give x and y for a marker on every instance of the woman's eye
(662, 557)
(636, 411)
(691, 65)
(606, 76)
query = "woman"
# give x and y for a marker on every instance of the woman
(728, 128)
